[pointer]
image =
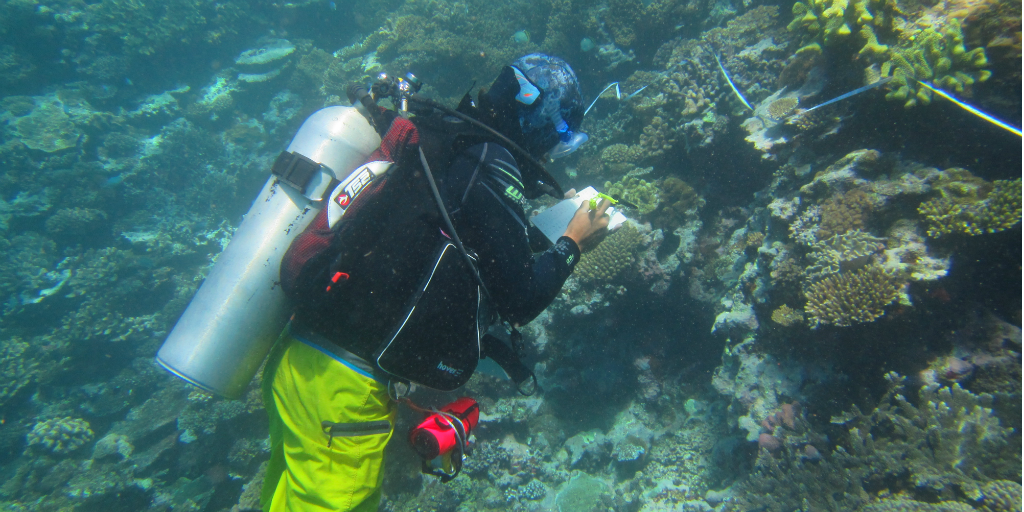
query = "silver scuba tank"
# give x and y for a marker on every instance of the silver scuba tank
(232, 322)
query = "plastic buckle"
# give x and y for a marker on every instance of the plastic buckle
(294, 169)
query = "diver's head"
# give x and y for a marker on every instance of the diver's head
(539, 98)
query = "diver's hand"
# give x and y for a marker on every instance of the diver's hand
(587, 222)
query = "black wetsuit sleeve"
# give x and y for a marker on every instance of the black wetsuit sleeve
(485, 196)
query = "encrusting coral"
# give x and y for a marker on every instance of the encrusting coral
(851, 297)
(936, 56)
(60, 435)
(999, 211)
(612, 256)
(844, 212)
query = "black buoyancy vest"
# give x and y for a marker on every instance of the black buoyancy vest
(384, 248)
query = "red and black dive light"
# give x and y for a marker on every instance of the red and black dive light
(445, 433)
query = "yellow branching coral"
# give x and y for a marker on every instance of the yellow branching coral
(612, 256)
(936, 56)
(999, 211)
(787, 316)
(635, 190)
(830, 21)
(851, 297)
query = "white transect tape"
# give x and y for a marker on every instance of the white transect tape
(553, 221)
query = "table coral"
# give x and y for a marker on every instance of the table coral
(843, 252)
(936, 56)
(47, 128)
(851, 297)
(60, 435)
(999, 211)
(612, 256)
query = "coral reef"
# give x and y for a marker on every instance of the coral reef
(831, 21)
(637, 191)
(998, 210)
(47, 128)
(782, 107)
(848, 251)
(60, 435)
(611, 257)
(844, 212)
(17, 368)
(848, 298)
(927, 451)
(937, 56)
(787, 316)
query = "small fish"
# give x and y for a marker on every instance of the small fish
(333, 6)
(727, 79)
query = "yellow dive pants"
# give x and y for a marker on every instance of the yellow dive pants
(329, 423)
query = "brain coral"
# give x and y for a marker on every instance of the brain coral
(612, 256)
(60, 435)
(1000, 210)
(852, 297)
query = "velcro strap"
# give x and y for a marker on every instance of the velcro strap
(294, 169)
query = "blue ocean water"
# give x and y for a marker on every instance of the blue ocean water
(806, 310)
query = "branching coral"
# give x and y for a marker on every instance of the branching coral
(678, 199)
(831, 21)
(787, 316)
(656, 139)
(851, 297)
(635, 190)
(17, 370)
(60, 435)
(1001, 496)
(936, 56)
(937, 456)
(612, 256)
(949, 443)
(999, 211)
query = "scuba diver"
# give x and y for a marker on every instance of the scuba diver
(433, 248)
